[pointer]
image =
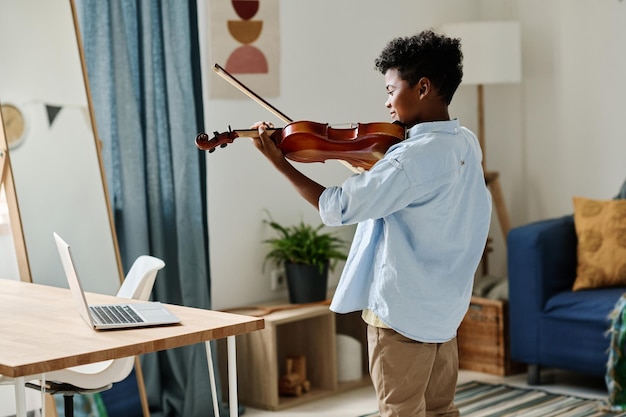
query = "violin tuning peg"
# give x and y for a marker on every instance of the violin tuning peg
(216, 133)
(223, 145)
(211, 150)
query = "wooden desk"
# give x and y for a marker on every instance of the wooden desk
(42, 331)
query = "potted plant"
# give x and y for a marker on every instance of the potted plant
(307, 254)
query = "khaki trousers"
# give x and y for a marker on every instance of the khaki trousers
(412, 379)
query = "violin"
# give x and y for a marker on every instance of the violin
(358, 147)
(303, 141)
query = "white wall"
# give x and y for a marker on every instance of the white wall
(574, 88)
(559, 133)
(555, 135)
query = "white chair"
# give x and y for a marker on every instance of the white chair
(99, 376)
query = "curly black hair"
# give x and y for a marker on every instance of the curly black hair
(426, 54)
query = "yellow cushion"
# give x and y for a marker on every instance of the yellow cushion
(601, 230)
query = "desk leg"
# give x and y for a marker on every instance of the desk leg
(232, 376)
(20, 396)
(43, 395)
(209, 358)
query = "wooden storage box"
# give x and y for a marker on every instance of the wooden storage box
(483, 338)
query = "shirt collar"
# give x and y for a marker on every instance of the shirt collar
(448, 126)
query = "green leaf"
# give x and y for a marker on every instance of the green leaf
(304, 244)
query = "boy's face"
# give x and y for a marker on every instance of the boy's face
(404, 102)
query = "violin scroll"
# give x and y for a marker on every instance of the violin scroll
(218, 140)
(221, 140)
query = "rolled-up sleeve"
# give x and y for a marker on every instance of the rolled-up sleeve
(330, 206)
(370, 195)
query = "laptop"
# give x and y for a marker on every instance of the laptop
(111, 316)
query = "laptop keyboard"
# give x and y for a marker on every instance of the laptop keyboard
(115, 314)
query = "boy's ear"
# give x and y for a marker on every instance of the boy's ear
(424, 86)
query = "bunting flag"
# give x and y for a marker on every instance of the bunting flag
(53, 112)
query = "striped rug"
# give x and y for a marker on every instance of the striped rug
(477, 399)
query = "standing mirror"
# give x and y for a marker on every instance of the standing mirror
(55, 163)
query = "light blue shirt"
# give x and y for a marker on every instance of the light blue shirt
(423, 214)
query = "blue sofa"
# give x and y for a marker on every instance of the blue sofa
(552, 326)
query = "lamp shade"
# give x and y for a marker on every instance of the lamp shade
(492, 52)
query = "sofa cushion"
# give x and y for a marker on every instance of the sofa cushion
(574, 330)
(593, 305)
(601, 231)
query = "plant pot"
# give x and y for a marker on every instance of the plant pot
(305, 283)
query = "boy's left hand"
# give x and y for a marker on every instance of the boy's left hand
(265, 144)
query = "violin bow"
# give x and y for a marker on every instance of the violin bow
(241, 87)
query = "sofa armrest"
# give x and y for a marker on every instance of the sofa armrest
(541, 260)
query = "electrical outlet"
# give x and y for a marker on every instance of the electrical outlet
(278, 280)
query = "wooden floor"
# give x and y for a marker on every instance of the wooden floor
(362, 401)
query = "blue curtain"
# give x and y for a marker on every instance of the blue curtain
(144, 73)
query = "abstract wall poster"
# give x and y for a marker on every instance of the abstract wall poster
(244, 40)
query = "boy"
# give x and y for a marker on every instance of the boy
(423, 214)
